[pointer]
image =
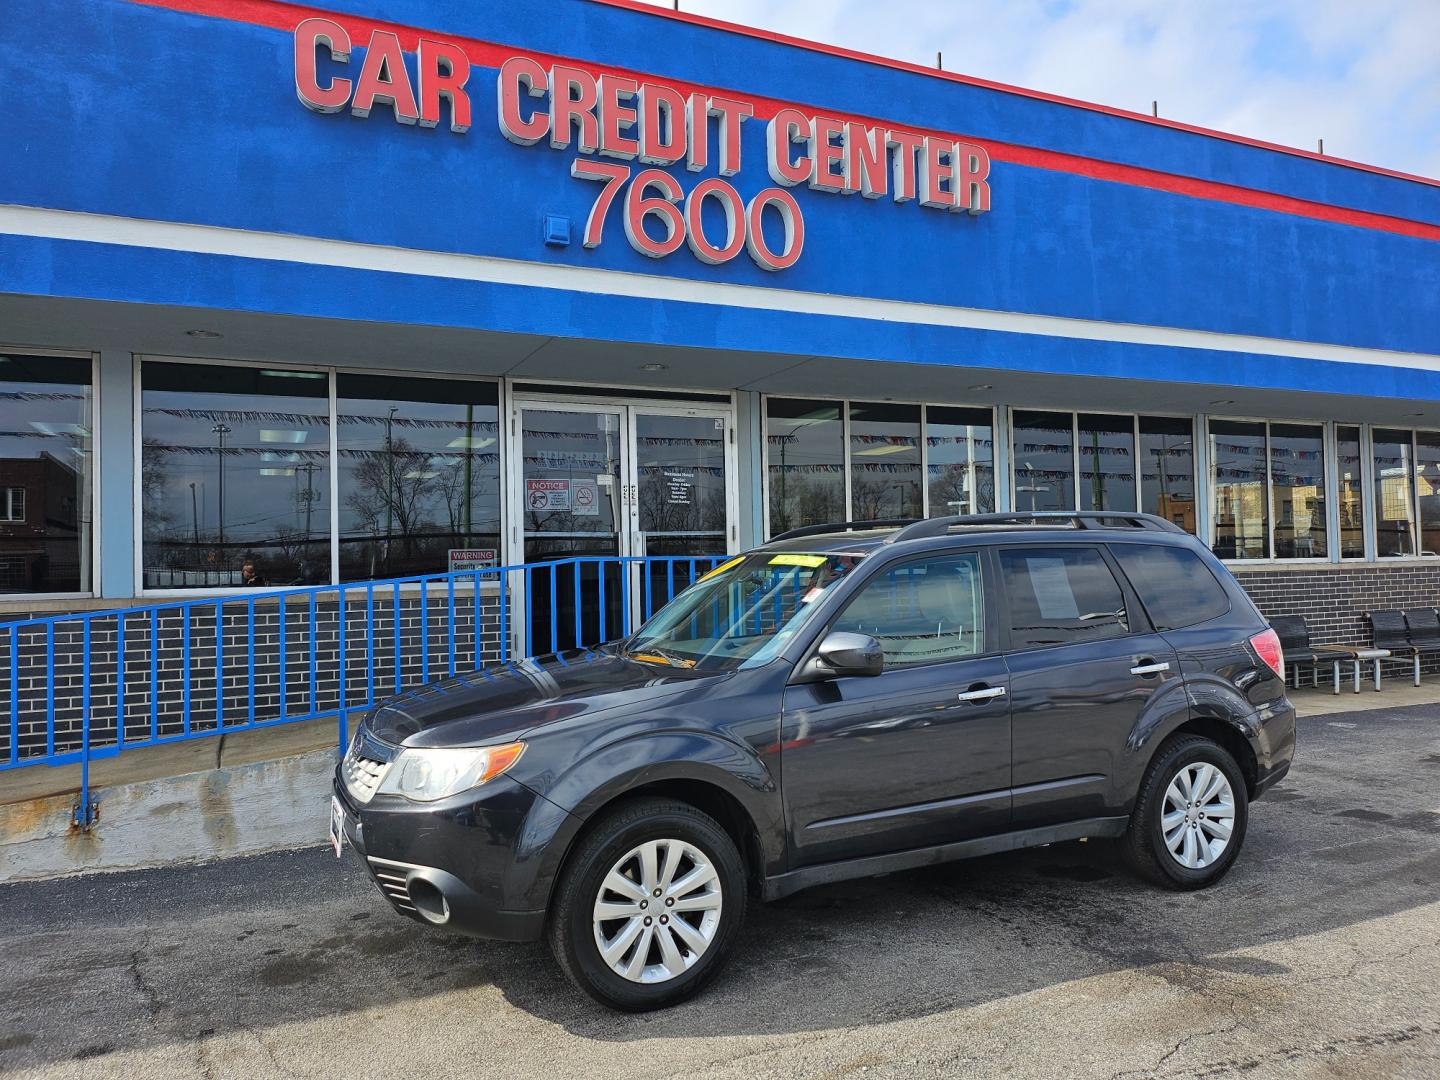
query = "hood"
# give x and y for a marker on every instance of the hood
(503, 703)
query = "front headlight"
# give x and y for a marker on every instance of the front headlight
(428, 775)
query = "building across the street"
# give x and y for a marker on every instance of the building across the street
(292, 296)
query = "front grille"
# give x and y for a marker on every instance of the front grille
(362, 774)
(390, 876)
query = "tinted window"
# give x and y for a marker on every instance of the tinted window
(1059, 596)
(922, 612)
(235, 476)
(806, 455)
(1176, 588)
(46, 474)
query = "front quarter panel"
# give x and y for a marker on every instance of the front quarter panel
(608, 774)
(724, 734)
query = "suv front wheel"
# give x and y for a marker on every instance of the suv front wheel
(648, 905)
(1189, 820)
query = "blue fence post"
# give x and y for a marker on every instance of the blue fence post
(14, 694)
(185, 664)
(424, 629)
(119, 682)
(219, 665)
(314, 661)
(504, 617)
(284, 668)
(340, 637)
(250, 641)
(84, 813)
(154, 674)
(49, 690)
(369, 645)
(450, 604)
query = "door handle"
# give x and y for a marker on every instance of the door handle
(989, 693)
(1150, 668)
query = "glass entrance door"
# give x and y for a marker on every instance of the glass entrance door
(598, 481)
(682, 485)
(572, 506)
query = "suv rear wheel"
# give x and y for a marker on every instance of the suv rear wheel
(1189, 820)
(648, 905)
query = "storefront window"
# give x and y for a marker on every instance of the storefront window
(1167, 469)
(1394, 465)
(1044, 464)
(1427, 490)
(1350, 502)
(1297, 490)
(419, 483)
(1241, 506)
(235, 476)
(45, 474)
(960, 460)
(884, 461)
(806, 451)
(1107, 462)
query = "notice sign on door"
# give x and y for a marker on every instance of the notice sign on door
(544, 495)
(679, 488)
(473, 559)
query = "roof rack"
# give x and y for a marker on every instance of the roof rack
(846, 526)
(1084, 519)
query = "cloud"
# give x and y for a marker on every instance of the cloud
(1365, 77)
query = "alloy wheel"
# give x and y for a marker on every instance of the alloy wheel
(1197, 816)
(657, 911)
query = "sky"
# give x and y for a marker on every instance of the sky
(1364, 75)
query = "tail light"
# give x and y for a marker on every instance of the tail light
(1267, 647)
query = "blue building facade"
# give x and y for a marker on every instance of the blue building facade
(298, 296)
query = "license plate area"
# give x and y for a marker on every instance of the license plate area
(337, 825)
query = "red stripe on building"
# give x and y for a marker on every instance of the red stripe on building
(279, 15)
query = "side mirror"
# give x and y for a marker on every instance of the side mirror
(842, 654)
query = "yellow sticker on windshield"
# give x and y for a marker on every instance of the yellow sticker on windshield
(799, 560)
(725, 566)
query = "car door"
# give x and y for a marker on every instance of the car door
(918, 755)
(1085, 665)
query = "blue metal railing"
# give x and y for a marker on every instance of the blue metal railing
(88, 686)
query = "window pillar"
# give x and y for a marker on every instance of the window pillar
(115, 479)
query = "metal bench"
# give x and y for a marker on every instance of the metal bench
(1392, 630)
(1294, 634)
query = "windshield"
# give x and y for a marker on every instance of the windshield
(741, 613)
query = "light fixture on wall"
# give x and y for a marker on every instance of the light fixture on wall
(654, 367)
(983, 386)
(204, 334)
(1224, 401)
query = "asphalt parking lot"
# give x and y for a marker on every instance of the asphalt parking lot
(1318, 956)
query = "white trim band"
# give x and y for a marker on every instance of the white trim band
(315, 251)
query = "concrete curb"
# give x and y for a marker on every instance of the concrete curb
(236, 810)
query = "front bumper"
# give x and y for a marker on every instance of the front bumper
(446, 864)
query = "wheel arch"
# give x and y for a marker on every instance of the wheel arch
(717, 777)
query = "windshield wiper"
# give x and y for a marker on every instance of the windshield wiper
(673, 659)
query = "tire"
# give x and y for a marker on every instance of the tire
(678, 961)
(1145, 843)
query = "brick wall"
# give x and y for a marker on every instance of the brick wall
(1334, 599)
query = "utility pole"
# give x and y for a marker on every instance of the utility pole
(220, 431)
(389, 478)
(309, 495)
(469, 458)
(195, 517)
